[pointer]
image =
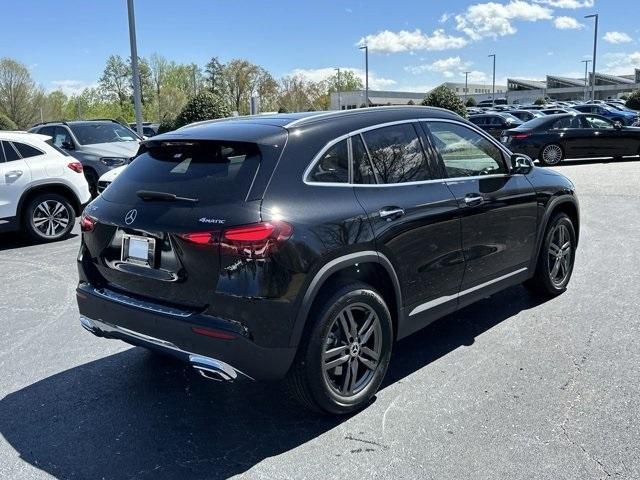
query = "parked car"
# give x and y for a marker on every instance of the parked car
(99, 145)
(554, 138)
(495, 123)
(556, 110)
(269, 249)
(604, 110)
(149, 129)
(492, 103)
(42, 188)
(105, 180)
(526, 115)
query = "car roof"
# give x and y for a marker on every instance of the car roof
(20, 136)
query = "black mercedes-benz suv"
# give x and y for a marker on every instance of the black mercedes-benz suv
(301, 246)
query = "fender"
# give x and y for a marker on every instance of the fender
(551, 206)
(43, 185)
(329, 269)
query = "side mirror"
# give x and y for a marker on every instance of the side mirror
(617, 125)
(521, 163)
(68, 146)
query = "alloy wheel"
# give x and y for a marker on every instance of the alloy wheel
(352, 350)
(560, 252)
(51, 218)
(552, 154)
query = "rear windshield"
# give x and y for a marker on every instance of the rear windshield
(535, 122)
(92, 133)
(210, 171)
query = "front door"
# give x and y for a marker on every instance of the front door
(604, 137)
(415, 219)
(499, 209)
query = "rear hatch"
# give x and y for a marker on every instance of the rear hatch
(156, 230)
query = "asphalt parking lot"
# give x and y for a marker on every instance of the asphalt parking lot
(512, 387)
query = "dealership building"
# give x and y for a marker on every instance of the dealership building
(516, 91)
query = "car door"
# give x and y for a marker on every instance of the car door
(571, 135)
(603, 138)
(414, 216)
(499, 209)
(14, 178)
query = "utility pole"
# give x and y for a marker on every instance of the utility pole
(493, 94)
(135, 68)
(193, 74)
(595, 46)
(366, 74)
(586, 79)
(466, 86)
(339, 92)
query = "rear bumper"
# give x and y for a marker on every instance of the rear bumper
(109, 314)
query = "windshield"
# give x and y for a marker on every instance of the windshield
(99, 132)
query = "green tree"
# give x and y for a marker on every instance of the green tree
(471, 102)
(213, 74)
(633, 101)
(6, 123)
(204, 106)
(444, 97)
(20, 98)
(540, 101)
(115, 81)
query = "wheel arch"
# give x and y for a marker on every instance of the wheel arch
(371, 267)
(58, 188)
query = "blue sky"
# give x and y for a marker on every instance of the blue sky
(415, 44)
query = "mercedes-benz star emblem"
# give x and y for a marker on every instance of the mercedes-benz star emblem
(130, 217)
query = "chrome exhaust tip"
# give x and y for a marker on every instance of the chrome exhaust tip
(213, 369)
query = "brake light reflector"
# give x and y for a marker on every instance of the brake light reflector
(520, 136)
(200, 238)
(75, 166)
(87, 223)
(213, 333)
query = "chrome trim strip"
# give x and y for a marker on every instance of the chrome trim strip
(131, 302)
(439, 301)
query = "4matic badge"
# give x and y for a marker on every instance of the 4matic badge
(217, 221)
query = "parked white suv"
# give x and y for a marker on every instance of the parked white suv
(42, 188)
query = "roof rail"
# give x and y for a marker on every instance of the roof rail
(64, 122)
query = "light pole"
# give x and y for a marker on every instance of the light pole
(137, 102)
(595, 46)
(366, 74)
(586, 78)
(339, 92)
(466, 86)
(493, 90)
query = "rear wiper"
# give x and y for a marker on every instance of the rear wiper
(163, 196)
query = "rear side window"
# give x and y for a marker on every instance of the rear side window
(396, 154)
(27, 151)
(9, 152)
(333, 166)
(212, 172)
(362, 167)
(567, 122)
(56, 148)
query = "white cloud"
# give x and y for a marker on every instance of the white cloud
(444, 18)
(617, 37)
(320, 74)
(404, 40)
(567, 23)
(71, 87)
(494, 20)
(573, 4)
(622, 63)
(449, 67)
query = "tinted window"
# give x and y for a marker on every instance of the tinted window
(47, 131)
(56, 148)
(333, 166)
(478, 120)
(60, 136)
(210, 171)
(9, 152)
(98, 132)
(567, 122)
(595, 122)
(27, 151)
(362, 168)
(466, 153)
(396, 154)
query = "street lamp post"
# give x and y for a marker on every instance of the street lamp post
(137, 102)
(339, 92)
(493, 90)
(466, 86)
(586, 78)
(366, 74)
(595, 46)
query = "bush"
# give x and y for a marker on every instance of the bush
(6, 123)
(411, 102)
(471, 102)
(540, 101)
(204, 106)
(624, 97)
(283, 110)
(166, 125)
(444, 97)
(633, 101)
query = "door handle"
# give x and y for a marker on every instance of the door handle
(391, 213)
(14, 174)
(472, 200)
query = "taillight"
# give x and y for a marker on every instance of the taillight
(213, 333)
(75, 166)
(257, 240)
(520, 136)
(87, 223)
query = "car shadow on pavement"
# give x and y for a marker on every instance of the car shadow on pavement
(137, 415)
(9, 241)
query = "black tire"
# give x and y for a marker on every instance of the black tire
(557, 159)
(62, 218)
(92, 179)
(543, 281)
(314, 386)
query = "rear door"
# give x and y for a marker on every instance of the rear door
(15, 176)
(414, 215)
(603, 138)
(499, 209)
(571, 135)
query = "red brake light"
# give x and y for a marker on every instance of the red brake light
(75, 166)
(87, 223)
(213, 333)
(520, 135)
(200, 238)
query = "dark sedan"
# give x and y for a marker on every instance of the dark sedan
(526, 115)
(553, 138)
(495, 123)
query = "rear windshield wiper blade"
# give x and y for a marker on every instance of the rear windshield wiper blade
(163, 196)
